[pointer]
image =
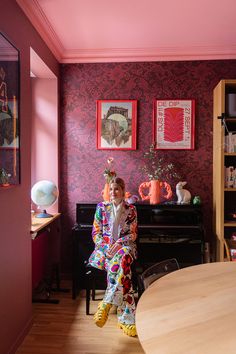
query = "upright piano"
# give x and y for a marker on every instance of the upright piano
(165, 231)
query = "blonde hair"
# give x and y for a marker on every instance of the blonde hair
(120, 183)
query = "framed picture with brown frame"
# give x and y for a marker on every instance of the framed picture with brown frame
(116, 124)
(174, 124)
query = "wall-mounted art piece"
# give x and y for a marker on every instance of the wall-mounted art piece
(116, 124)
(174, 124)
(9, 113)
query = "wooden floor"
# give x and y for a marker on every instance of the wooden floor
(65, 329)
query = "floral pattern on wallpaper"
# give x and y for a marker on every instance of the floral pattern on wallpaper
(82, 165)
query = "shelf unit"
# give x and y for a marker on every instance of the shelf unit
(224, 199)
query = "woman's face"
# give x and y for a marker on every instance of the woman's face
(116, 192)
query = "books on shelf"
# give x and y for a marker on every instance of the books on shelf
(230, 142)
(232, 246)
(230, 177)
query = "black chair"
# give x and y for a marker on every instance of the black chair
(96, 279)
(155, 272)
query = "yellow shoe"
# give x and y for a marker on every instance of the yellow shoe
(102, 313)
(129, 329)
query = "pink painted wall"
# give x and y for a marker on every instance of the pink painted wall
(44, 147)
(15, 240)
(82, 165)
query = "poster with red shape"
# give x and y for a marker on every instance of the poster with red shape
(174, 124)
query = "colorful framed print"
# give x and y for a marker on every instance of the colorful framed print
(174, 124)
(116, 124)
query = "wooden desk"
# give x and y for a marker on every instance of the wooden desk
(190, 311)
(38, 224)
(45, 233)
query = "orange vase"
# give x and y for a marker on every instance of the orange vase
(155, 191)
(106, 192)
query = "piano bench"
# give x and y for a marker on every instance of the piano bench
(95, 279)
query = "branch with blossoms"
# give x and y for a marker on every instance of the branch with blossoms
(157, 168)
(109, 171)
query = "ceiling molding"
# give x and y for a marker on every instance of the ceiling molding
(38, 19)
(148, 54)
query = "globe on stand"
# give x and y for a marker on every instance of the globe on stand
(44, 193)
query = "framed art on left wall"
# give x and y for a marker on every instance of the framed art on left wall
(116, 124)
(174, 124)
(9, 113)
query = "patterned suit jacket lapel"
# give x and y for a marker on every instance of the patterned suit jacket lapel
(108, 211)
(123, 217)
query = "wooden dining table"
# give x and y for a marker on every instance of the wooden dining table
(190, 311)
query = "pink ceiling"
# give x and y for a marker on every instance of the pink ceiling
(135, 30)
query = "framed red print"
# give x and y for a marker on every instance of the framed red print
(174, 124)
(116, 124)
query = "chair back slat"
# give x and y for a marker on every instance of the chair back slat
(157, 271)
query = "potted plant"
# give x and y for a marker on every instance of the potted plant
(159, 173)
(4, 177)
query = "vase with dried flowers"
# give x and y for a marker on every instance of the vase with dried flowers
(108, 173)
(159, 172)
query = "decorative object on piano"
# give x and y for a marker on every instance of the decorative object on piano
(159, 173)
(116, 124)
(108, 173)
(131, 199)
(4, 178)
(183, 195)
(43, 194)
(157, 168)
(174, 124)
(156, 191)
(106, 193)
(197, 200)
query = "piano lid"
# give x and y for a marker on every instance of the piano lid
(160, 214)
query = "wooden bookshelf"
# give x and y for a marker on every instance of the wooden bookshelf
(224, 199)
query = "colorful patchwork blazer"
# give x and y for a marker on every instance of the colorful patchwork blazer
(103, 227)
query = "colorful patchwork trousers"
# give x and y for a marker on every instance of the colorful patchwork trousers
(119, 290)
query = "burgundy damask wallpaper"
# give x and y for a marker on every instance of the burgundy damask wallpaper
(82, 165)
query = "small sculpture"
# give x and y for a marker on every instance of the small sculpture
(197, 200)
(131, 199)
(183, 195)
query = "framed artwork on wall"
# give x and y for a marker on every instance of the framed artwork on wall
(174, 124)
(116, 124)
(9, 114)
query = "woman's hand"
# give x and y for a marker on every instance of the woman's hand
(113, 250)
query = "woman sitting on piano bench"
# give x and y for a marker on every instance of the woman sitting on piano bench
(114, 234)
